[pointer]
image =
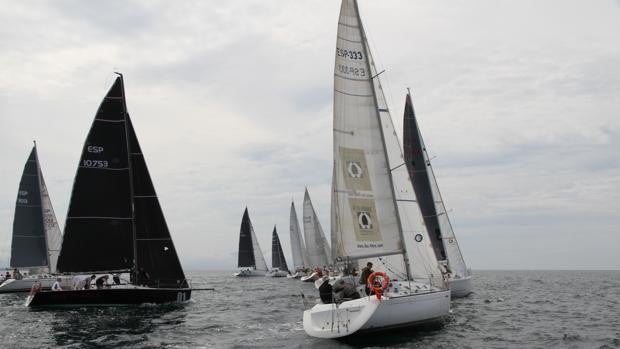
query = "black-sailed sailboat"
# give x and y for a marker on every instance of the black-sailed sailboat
(432, 206)
(36, 235)
(278, 263)
(115, 223)
(251, 261)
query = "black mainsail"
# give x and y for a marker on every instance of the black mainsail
(115, 222)
(413, 147)
(28, 247)
(246, 248)
(277, 255)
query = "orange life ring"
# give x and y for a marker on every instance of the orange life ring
(378, 288)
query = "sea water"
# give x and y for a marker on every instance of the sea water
(509, 309)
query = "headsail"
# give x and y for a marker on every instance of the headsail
(277, 255)
(28, 247)
(316, 245)
(50, 224)
(428, 195)
(297, 244)
(155, 250)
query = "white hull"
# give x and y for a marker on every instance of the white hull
(277, 274)
(297, 275)
(370, 314)
(460, 287)
(25, 284)
(310, 278)
(248, 273)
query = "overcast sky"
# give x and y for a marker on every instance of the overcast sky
(232, 103)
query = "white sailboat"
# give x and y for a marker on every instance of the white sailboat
(375, 212)
(300, 260)
(251, 261)
(36, 235)
(279, 268)
(317, 248)
(432, 205)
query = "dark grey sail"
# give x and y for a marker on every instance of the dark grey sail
(246, 247)
(115, 222)
(28, 247)
(277, 255)
(413, 147)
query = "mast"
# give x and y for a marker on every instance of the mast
(131, 189)
(366, 52)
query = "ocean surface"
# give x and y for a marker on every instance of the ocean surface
(509, 309)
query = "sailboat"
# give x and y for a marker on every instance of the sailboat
(251, 261)
(278, 263)
(432, 206)
(376, 215)
(319, 254)
(300, 259)
(36, 235)
(115, 223)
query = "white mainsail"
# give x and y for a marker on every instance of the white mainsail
(300, 260)
(53, 236)
(316, 245)
(376, 209)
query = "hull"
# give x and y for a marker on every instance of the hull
(460, 287)
(297, 275)
(109, 297)
(368, 314)
(25, 284)
(310, 278)
(249, 273)
(277, 274)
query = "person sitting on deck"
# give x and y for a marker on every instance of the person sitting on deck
(325, 291)
(102, 282)
(16, 274)
(56, 285)
(344, 291)
(116, 279)
(143, 277)
(7, 275)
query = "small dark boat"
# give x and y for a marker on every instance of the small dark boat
(115, 223)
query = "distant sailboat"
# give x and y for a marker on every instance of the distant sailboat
(317, 248)
(251, 261)
(278, 262)
(375, 214)
(115, 223)
(36, 235)
(300, 259)
(431, 203)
